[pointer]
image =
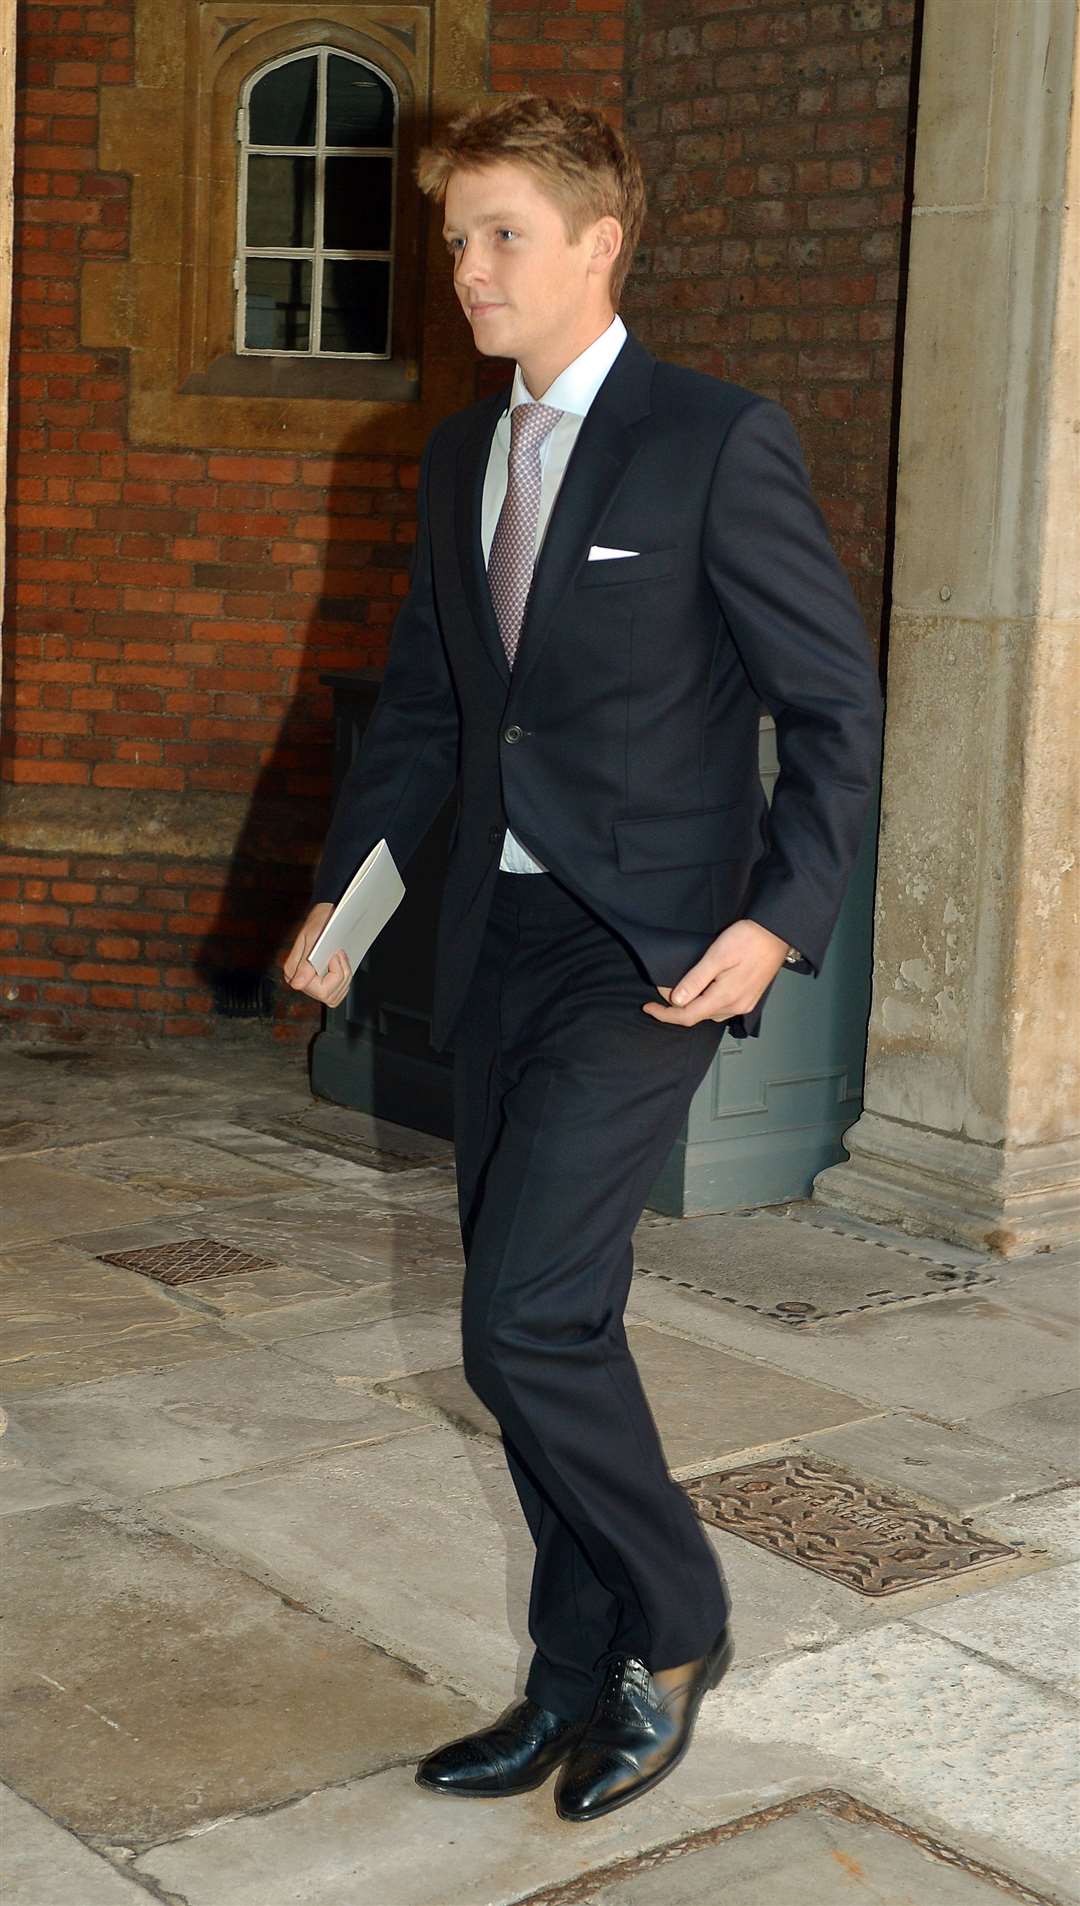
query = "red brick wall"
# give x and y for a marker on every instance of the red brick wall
(169, 611)
(775, 140)
(561, 48)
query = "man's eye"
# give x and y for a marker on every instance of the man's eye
(452, 244)
(507, 233)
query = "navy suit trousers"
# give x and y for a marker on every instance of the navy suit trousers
(568, 1099)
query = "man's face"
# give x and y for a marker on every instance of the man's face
(522, 285)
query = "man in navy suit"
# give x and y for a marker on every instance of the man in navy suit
(618, 562)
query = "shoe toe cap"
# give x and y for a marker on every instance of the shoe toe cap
(591, 1785)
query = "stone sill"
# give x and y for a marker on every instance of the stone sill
(121, 822)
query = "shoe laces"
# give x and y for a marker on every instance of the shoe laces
(625, 1676)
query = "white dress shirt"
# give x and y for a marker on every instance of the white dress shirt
(572, 393)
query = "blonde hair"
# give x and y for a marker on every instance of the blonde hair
(583, 164)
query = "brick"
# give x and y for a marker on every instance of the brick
(251, 469)
(17, 964)
(107, 996)
(49, 773)
(526, 58)
(130, 774)
(118, 974)
(24, 913)
(73, 890)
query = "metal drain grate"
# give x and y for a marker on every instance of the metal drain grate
(186, 1261)
(826, 1519)
(336, 1138)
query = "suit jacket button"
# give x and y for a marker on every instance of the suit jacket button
(513, 733)
(495, 835)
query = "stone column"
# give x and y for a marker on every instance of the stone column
(7, 160)
(971, 1122)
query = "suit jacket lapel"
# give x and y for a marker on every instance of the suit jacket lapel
(473, 453)
(606, 445)
(607, 442)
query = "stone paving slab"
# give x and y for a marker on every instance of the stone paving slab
(811, 1856)
(42, 1865)
(68, 1320)
(281, 1155)
(351, 1240)
(41, 1201)
(340, 1127)
(761, 1264)
(947, 1466)
(174, 1170)
(444, 1395)
(951, 1358)
(55, 1127)
(272, 1322)
(1042, 1288)
(1032, 1626)
(919, 1726)
(149, 1689)
(164, 1428)
(707, 1405)
(386, 1842)
(824, 1217)
(25, 1483)
(417, 1542)
(1046, 1426)
(374, 1351)
(1047, 1524)
(269, 1291)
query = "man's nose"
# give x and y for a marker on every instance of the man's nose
(471, 267)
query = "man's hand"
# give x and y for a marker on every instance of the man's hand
(335, 982)
(729, 978)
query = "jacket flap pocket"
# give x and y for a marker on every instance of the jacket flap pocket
(683, 840)
(651, 562)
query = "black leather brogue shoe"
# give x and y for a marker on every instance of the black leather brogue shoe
(514, 1755)
(639, 1730)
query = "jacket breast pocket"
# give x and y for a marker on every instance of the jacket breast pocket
(651, 563)
(652, 842)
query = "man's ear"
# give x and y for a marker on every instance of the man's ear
(607, 239)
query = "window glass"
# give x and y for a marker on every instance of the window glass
(359, 105)
(355, 305)
(357, 208)
(281, 201)
(282, 106)
(278, 304)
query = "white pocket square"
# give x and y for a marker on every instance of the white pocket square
(599, 554)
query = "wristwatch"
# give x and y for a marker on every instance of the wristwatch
(792, 955)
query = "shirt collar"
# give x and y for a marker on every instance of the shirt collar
(575, 387)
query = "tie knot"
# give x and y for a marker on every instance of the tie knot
(530, 424)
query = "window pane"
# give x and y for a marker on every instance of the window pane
(278, 304)
(357, 204)
(281, 109)
(281, 200)
(356, 300)
(359, 105)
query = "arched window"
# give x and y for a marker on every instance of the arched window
(318, 133)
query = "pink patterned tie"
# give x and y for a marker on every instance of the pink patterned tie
(513, 546)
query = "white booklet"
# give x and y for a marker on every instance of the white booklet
(375, 891)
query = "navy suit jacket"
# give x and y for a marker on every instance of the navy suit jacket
(622, 748)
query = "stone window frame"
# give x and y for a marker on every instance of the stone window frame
(210, 361)
(174, 314)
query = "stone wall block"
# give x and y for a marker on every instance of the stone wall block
(952, 144)
(957, 354)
